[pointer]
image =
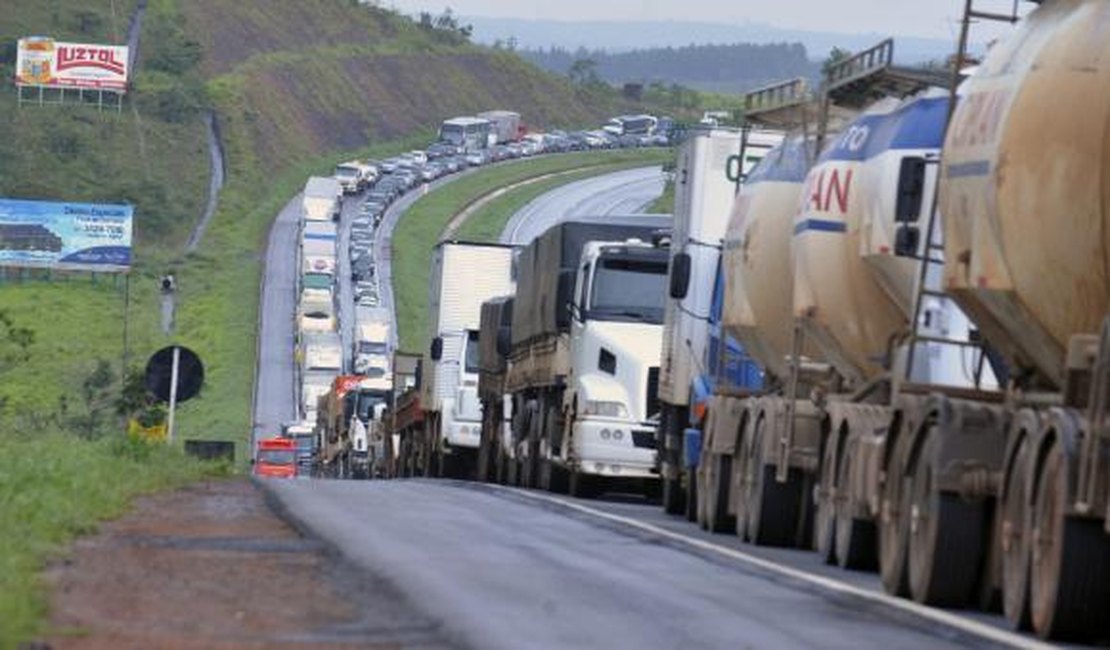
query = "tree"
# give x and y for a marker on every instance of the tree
(583, 72)
(836, 55)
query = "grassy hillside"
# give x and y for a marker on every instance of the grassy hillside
(294, 85)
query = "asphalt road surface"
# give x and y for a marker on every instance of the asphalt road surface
(624, 192)
(497, 568)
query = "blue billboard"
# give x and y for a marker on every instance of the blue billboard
(67, 236)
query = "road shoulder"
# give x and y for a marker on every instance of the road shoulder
(212, 566)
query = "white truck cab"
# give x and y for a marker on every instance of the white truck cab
(615, 342)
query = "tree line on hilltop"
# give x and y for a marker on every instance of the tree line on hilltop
(735, 67)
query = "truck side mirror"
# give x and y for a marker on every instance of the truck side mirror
(906, 240)
(436, 350)
(504, 341)
(564, 295)
(680, 275)
(911, 189)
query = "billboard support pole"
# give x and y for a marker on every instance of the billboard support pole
(173, 392)
(126, 321)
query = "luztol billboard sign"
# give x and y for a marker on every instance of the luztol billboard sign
(67, 236)
(42, 61)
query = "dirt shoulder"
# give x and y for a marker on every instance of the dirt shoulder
(211, 566)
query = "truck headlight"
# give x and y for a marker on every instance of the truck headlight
(605, 409)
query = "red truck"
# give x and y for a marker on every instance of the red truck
(276, 458)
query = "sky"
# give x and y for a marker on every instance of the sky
(928, 18)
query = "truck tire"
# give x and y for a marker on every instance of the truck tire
(691, 495)
(855, 537)
(1013, 523)
(718, 520)
(824, 528)
(894, 523)
(674, 497)
(947, 541)
(1070, 578)
(583, 486)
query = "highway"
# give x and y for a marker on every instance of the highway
(499, 567)
(624, 192)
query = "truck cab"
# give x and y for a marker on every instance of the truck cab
(303, 435)
(616, 334)
(371, 401)
(275, 458)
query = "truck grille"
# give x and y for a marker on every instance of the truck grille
(643, 439)
(653, 391)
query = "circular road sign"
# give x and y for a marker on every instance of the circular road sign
(159, 371)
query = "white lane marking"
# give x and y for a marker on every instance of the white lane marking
(943, 617)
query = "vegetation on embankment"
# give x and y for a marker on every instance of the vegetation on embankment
(418, 232)
(665, 203)
(52, 489)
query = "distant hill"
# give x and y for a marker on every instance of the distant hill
(619, 37)
(716, 68)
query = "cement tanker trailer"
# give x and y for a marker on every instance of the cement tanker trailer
(825, 280)
(1025, 193)
(757, 312)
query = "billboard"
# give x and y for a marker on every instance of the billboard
(42, 61)
(67, 236)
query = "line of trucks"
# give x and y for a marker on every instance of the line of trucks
(878, 326)
(338, 409)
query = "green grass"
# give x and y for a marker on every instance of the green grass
(53, 488)
(665, 203)
(419, 231)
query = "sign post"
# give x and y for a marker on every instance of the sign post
(173, 392)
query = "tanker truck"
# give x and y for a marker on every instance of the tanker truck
(820, 298)
(710, 165)
(1025, 194)
(584, 361)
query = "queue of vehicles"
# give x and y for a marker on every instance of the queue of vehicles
(879, 328)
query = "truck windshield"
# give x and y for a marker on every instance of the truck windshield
(305, 443)
(629, 289)
(317, 281)
(346, 172)
(473, 352)
(372, 347)
(276, 456)
(366, 404)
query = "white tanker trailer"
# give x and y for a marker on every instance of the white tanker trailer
(1025, 191)
(948, 370)
(757, 307)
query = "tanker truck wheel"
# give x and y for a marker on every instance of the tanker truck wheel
(855, 537)
(699, 502)
(742, 469)
(894, 524)
(1014, 528)
(674, 501)
(717, 518)
(773, 507)
(691, 495)
(824, 528)
(1070, 576)
(946, 538)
